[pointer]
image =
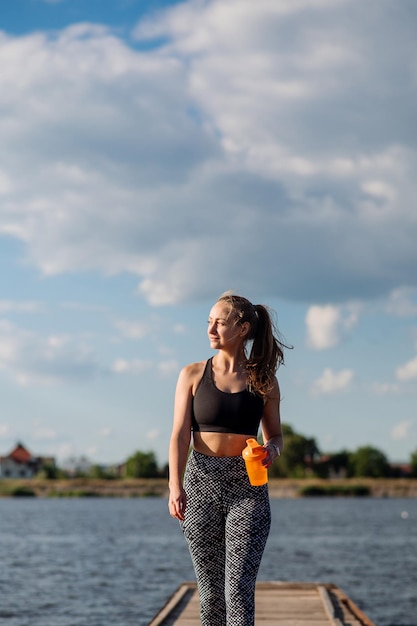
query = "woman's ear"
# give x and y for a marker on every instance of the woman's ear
(244, 330)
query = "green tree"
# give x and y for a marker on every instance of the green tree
(100, 472)
(50, 471)
(336, 463)
(368, 461)
(297, 457)
(142, 465)
(413, 463)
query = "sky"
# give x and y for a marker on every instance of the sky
(155, 154)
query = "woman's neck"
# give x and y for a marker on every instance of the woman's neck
(230, 362)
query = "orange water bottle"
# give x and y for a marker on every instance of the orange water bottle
(253, 455)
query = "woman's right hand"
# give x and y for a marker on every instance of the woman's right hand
(177, 503)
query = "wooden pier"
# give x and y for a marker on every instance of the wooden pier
(277, 604)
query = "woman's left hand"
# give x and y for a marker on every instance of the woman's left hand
(272, 454)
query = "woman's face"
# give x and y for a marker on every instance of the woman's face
(222, 330)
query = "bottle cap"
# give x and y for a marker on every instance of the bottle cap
(253, 450)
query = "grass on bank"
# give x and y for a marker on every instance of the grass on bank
(158, 487)
(83, 488)
(335, 490)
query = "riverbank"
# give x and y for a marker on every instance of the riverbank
(372, 487)
(139, 488)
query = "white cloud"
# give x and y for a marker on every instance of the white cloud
(136, 366)
(402, 430)
(402, 303)
(322, 326)
(167, 368)
(132, 330)
(407, 371)
(379, 189)
(80, 306)
(245, 121)
(11, 306)
(382, 389)
(129, 366)
(34, 358)
(4, 430)
(332, 382)
(326, 323)
(105, 432)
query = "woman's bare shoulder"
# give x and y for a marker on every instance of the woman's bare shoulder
(194, 369)
(190, 376)
(193, 372)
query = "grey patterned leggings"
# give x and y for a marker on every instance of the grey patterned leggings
(226, 526)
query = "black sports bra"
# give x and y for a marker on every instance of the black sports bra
(222, 412)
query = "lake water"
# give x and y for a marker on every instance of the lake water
(114, 562)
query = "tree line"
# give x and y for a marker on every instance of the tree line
(300, 458)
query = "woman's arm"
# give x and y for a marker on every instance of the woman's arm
(271, 425)
(180, 442)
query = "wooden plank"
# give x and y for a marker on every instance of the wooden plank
(349, 609)
(281, 602)
(277, 604)
(328, 606)
(175, 605)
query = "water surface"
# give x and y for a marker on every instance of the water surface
(114, 562)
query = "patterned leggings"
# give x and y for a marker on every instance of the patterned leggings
(226, 526)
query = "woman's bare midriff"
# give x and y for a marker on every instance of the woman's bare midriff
(220, 444)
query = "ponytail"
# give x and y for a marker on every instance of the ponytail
(267, 349)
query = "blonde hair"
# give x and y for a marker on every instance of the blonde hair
(267, 349)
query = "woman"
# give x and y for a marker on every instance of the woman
(223, 401)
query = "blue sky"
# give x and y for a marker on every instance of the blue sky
(155, 154)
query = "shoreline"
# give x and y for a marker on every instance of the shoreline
(158, 487)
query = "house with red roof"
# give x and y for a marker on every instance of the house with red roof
(20, 463)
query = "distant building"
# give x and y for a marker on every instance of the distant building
(332, 465)
(401, 470)
(20, 463)
(76, 466)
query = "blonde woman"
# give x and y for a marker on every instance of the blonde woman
(221, 402)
